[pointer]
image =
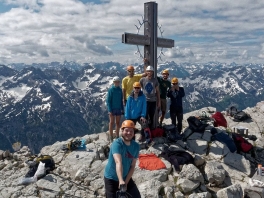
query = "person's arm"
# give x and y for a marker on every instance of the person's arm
(122, 105)
(131, 171)
(181, 92)
(119, 168)
(127, 112)
(169, 93)
(144, 108)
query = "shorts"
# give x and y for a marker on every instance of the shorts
(163, 105)
(116, 112)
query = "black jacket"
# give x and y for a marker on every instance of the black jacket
(176, 97)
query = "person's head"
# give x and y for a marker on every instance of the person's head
(174, 81)
(116, 81)
(150, 71)
(127, 130)
(130, 70)
(136, 87)
(165, 74)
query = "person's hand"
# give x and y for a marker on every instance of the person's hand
(146, 62)
(124, 102)
(177, 87)
(158, 105)
(172, 88)
(110, 113)
(123, 183)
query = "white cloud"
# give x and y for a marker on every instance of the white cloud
(52, 30)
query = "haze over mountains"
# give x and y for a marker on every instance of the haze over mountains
(44, 103)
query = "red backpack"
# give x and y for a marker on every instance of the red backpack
(219, 120)
(157, 132)
(241, 143)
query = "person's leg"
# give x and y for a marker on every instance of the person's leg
(173, 117)
(111, 122)
(111, 187)
(163, 110)
(179, 115)
(152, 110)
(117, 125)
(132, 189)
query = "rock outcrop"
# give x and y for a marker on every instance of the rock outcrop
(216, 171)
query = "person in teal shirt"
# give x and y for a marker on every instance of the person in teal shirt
(121, 164)
(114, 106)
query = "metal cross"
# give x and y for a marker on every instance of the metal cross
(150, 39)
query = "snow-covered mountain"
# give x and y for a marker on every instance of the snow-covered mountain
(48, 102)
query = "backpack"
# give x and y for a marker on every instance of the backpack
(148, 135)
(240, 116)
(33, 163)
(232, 111)
(157, 132)
(219, 120)
(171, 133)
(177, 158)
(225, 139)
(196, 125)
(241, 143)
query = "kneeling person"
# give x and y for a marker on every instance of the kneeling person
(121, 163)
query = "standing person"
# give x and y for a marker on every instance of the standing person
(150, 88)
(115, 106)
(128, 81)
(121, 163)
(164, 85)
(176, 94)
(136, 105)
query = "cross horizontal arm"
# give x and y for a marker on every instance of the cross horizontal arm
(137, 39)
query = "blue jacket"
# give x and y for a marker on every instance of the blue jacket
(114, 99)
(176, 97)
(136, 108)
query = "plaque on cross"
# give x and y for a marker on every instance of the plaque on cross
(149, 40)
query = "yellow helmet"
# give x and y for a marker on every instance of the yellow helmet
(174, 80)
(165, 71)
(136, 84)
(128, 124)
(130, 68)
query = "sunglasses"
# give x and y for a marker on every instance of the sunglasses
(130, 70)
(175, 83)
(136, 87)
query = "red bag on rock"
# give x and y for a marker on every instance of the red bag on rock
(219, 120)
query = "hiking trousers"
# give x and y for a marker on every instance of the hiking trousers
(151, 109)
(111, 187)
(177, 113)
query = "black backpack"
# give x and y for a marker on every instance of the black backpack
(171, 133)
(240, 116)
(177, 158)
(196, 125)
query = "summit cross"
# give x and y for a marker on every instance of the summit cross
(150, 39)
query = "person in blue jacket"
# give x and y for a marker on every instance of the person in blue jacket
(176, 94)
(136, 105)
(115, 106)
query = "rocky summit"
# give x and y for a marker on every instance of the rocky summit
(216, 172)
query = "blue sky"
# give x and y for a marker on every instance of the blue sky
(90, 31)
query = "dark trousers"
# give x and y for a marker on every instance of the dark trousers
(111, 187)
(177, 113)
(151, 109)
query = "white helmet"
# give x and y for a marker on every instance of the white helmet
(116, 78)
(149, 68)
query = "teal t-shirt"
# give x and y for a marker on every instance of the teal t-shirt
(128, 153)
(164, 85)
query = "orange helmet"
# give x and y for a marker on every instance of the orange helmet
(174, 80)
(136, 84)
(130, 68)
(128, 124)
(165, 72)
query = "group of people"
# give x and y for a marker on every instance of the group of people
(139, 98)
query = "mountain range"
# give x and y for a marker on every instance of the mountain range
(44, 103)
